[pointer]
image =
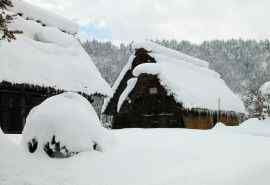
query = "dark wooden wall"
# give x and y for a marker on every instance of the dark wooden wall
(14, 108)
(149, 106)
(16, 101)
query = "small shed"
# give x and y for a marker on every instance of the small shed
(160, 87)
(46, 59)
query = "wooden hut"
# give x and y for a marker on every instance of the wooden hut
(163, 88)
(46, 59)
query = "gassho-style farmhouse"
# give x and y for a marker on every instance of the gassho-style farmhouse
(160, 87)
(52, 61)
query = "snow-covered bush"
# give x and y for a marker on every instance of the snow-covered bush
(64, 125)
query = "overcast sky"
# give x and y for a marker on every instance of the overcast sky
(193, 20)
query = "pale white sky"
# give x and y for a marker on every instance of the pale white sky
(194, 20)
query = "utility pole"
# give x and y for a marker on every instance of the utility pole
(218, 116)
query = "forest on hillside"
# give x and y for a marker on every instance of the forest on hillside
(243, 64)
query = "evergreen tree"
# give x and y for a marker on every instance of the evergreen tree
(5, 19)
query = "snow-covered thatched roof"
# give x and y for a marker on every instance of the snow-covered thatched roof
(265, 88)
(188, 79)
(176, 55)
(32, 12)
(46, 56)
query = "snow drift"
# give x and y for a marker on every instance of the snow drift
(157, 157)
(68, 119)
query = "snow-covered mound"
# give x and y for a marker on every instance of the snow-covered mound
(220, 125)
(48, 18)
(265, 88)
(45, 56)
(68, 118)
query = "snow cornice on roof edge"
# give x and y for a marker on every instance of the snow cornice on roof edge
(43, 16)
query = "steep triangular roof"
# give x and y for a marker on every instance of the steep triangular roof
(45, 56)
(188, 79)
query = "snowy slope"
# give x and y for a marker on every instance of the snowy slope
(45, 56)
(48, 18)
(156, 157)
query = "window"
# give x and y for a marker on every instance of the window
(153, 90)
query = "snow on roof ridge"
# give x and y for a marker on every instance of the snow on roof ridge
(46, 17)
(159, 49)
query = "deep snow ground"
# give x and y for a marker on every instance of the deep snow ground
(224, 155)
